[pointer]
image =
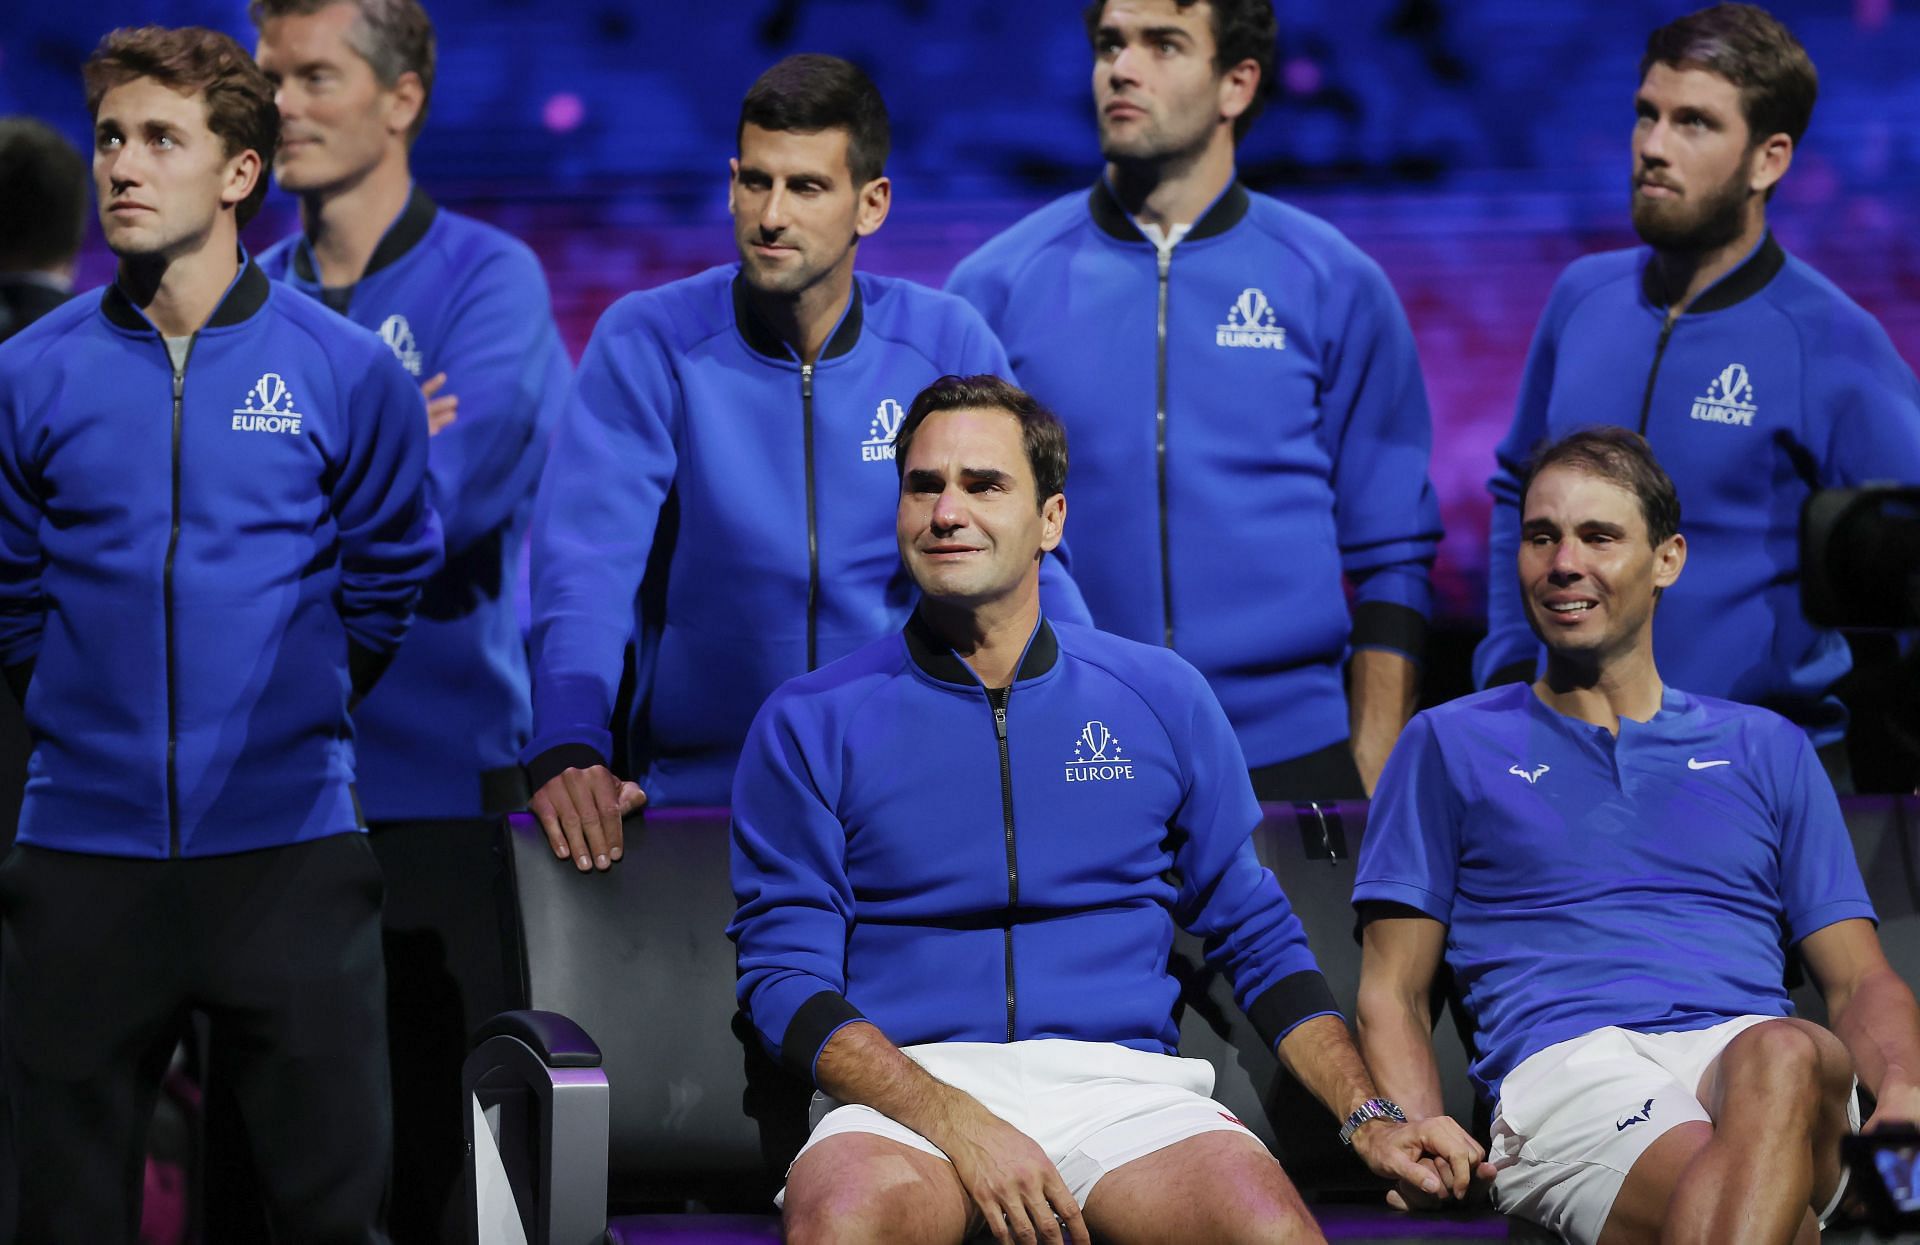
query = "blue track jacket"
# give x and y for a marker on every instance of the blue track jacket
(1773, 384)
(1248, 425)
(441, 735)
(962, 865)
(200, 565)
(754, 496)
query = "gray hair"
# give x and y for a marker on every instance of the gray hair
(393, 36)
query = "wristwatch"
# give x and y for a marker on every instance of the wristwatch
(1371, 1109)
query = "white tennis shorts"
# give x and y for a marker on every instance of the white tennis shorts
(1091, 1106)
(1573, 1118)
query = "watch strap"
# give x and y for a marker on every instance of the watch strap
(1371, 1109)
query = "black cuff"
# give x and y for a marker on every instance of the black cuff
(1382, 624)
(364, 668)
(555, 761)
(1288, 1002)
(810, 1028)
(18, 676)
(1514, 672)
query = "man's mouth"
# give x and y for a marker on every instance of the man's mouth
(1571, 607)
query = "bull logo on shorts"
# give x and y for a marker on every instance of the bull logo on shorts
(1641, 1116)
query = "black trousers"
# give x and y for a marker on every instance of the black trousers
(104, 958)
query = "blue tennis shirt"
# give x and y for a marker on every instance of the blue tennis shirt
(1650, 881)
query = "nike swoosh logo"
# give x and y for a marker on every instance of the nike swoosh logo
(1693, 764)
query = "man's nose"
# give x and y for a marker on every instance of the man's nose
(123, 166)
(773, 211)
(1650, 144)
(1567, 564)
(949, 510)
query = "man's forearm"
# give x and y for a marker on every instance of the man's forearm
(1382, 688)
(859, 1065)
(1397, 1043)
(1321, 1055)
(1880, 1025)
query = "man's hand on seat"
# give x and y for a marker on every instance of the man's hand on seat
(443, 409)
(1433, 1160)
(1897, 1106)
(1009, 1177)
(581, 811)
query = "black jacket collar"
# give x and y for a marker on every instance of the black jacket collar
(1113, 220)
(767, 342)
(246, 295)
(402, 236)
(1736, 287)
(937, 660)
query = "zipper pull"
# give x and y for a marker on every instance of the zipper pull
(1166, 262)
(999, 697)
(806, 380)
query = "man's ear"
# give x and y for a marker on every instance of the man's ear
(1053, 522)
(243, 174)
(1772, 157)
(1239, 86)
(1668, 560)
(876, 200)
(406, 99)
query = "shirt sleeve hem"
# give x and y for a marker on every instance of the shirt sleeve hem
(1403, 893)
(1809, 923)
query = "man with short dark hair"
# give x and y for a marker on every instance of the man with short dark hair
(1247, 405)
(1607, 864)
(1758, 380)
(464, 307)
(190, 604)
(727, 444)
(43, 217)
(959, 931)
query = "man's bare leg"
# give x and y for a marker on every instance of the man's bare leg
(860, 1189)
(1217, 1187)
(1778, 1096)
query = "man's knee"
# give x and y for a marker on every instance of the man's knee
(1789, 1063)
(861, 1190)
